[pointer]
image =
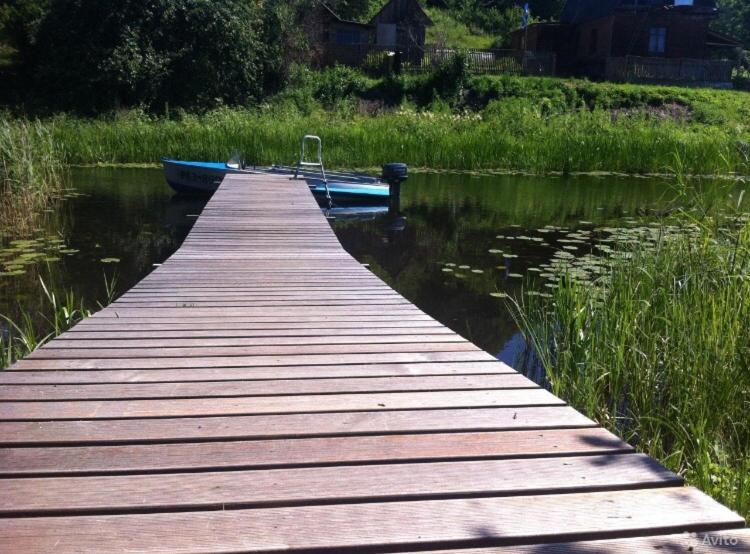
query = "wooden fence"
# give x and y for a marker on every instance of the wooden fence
(509, 62)
(416, 60)
(661, 70)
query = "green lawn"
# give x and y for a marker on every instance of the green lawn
(454, 34)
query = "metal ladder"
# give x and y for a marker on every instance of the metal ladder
(319, 163)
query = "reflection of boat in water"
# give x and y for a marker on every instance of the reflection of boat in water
(360, 213)
(341, 188)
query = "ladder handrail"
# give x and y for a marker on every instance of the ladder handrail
(319, 163)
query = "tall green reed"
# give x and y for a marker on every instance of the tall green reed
(32, 173)
(60, 311)
(658, 349)
(511, 134)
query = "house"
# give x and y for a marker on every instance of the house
(335, 40)
(399, 25)
(635, 40)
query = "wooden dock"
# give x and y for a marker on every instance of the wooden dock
(262, 391)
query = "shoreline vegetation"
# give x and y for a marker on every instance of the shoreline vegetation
(60, 310)
(482, 123)
(656, 348)
(32, 174)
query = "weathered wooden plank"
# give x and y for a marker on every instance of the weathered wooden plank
(51, 352)
(197, 456)
(386, 303)
(340, 325)
(188, 312)
(208, 333)
(419, 524)
(210, 342)
(92, 376)
(300, 486)
(301, 359)
(94, 431)
(712, 542)
(199, 407)
(225, 388)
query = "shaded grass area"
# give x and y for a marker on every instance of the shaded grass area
(658, 350)
(31, 174)
(448, 31)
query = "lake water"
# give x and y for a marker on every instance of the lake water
(468, 239)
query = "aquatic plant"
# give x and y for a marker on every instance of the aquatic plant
(60, 311)
(654, 345)
(32, 174)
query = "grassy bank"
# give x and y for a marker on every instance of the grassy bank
(657, 350)
(31, 174)
(528, 124)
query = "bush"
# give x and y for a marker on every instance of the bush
(338, 83)
(446, 82)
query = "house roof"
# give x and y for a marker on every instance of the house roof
(718, 39)
(336, 16)
(415, 6)
(580, 11)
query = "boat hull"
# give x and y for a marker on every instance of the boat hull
(195, 177)
(187, 177)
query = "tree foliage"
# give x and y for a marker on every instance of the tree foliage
(19, 20)
(191, 53)
(734, 19)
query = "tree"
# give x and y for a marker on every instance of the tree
(93, 56)
(734, 19)
(353, 10)
(18, 22)
(546, 9)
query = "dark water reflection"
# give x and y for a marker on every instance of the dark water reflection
(128, 215)
(132, 216)
(456, 219)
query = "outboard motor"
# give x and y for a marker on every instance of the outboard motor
(394, 174)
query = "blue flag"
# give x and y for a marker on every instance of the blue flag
(526, 15)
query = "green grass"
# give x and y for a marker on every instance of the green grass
(31, 173)
(451, 33)
(658, 350)
(510, 134)
(445, 120)
(472, 123)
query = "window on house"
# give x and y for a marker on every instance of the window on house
(346, 36)
(594, 42)
(657, 40)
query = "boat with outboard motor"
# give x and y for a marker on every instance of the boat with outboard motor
(339, 188)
